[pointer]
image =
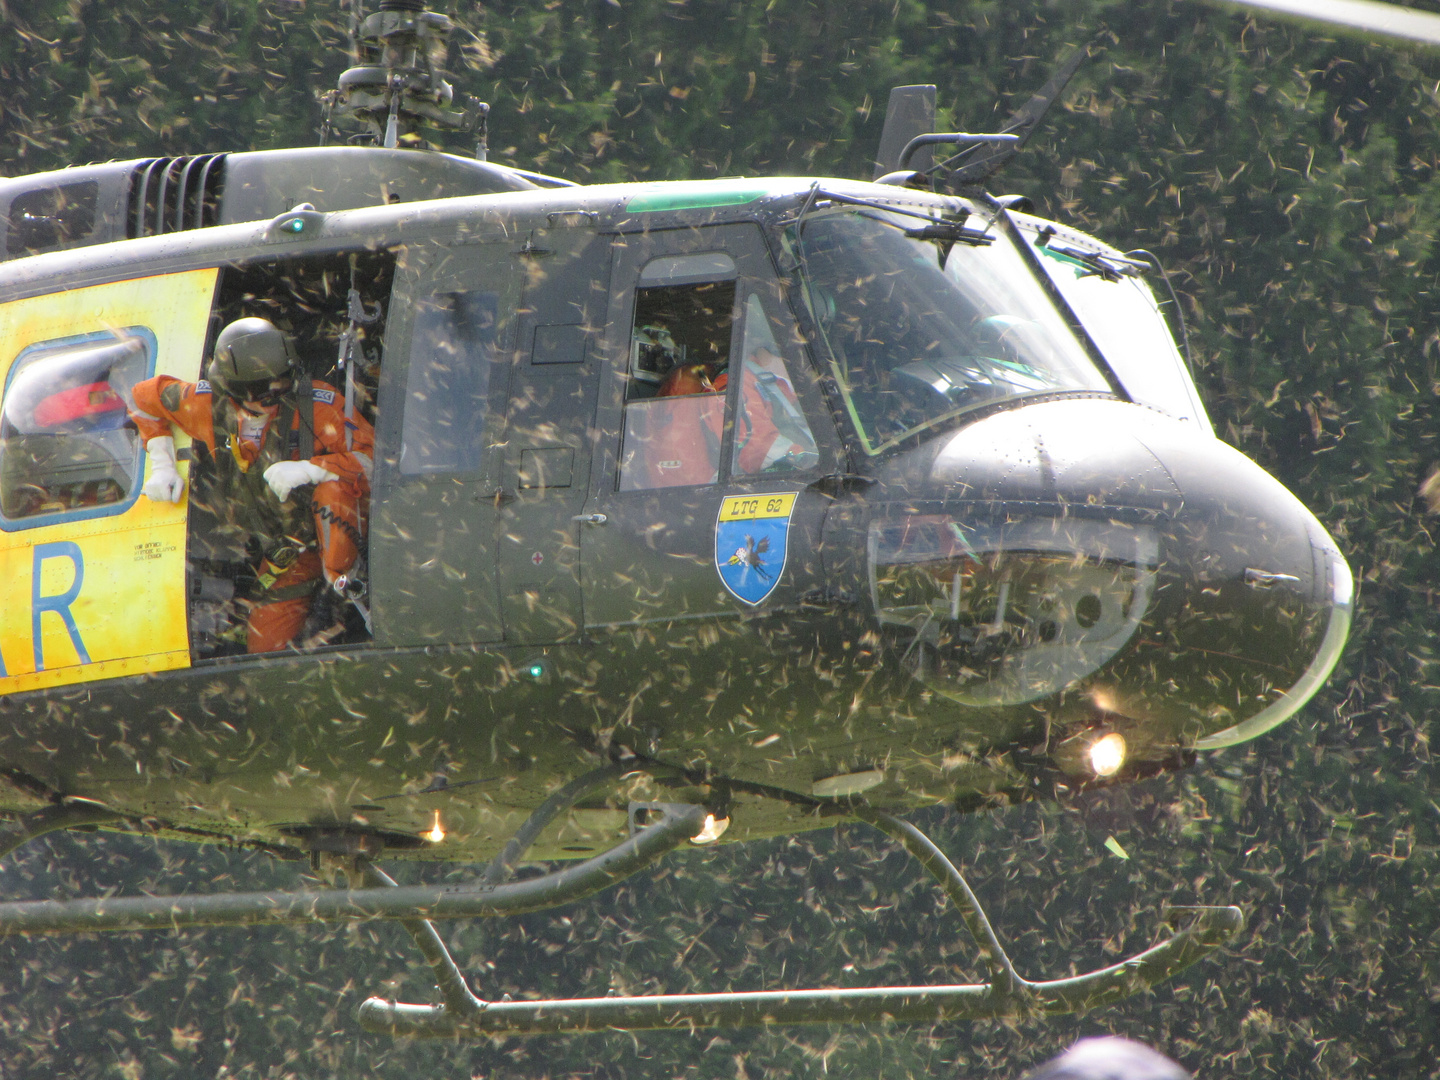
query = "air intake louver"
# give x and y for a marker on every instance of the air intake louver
(175, 194)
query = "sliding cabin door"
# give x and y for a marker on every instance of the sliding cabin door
(437, 491)
(546, 443)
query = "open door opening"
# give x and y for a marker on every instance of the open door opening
(260, 575)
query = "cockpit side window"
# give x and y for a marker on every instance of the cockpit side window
(67, 444)
(772, 435)
(679, 368)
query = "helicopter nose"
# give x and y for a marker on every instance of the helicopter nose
(1121, 570)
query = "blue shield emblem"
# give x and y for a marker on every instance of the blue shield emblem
(750, 543)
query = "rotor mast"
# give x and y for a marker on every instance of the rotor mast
(398, 82)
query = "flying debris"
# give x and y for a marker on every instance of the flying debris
(360, 502)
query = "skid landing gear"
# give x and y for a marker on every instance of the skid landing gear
(461, 1014)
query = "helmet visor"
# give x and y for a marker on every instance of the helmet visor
(265, 392)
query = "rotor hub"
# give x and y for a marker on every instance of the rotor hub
(399, 82)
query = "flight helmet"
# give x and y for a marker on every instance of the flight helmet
(250, 354)
(654, 354)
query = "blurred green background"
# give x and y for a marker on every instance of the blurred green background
(1286, 176)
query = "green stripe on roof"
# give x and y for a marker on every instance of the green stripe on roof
(689, 198)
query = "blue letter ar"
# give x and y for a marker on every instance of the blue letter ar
(60, 604)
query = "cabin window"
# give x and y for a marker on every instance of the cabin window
(67, 443)
(51, 217)
(678, 371)
(772, 435)
(448, 383)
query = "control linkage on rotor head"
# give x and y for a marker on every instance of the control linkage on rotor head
(399, 80)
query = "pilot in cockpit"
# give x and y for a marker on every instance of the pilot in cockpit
(674, 433)
(771, 432)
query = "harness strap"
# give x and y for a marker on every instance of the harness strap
(245, 501)
(349, 406)
(305, 400)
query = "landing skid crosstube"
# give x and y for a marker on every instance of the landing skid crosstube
(464, 1015)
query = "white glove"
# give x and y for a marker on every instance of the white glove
(165, 483)
(285, 476)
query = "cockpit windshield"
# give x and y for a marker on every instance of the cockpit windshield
(922, 323)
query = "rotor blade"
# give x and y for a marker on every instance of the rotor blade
(1383, 20)
(1022, 122)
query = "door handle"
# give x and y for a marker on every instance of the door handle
(590, 519)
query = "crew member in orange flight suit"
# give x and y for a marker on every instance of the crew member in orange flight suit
(248, 418)
(771, 432)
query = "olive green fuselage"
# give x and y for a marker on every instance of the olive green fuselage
(950, 618)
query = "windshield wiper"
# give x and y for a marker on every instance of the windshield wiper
(834, 198)
(1109, 267)
(951, 232)
(1152, 262)
(946, 234)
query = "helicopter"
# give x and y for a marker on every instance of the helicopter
(991, 550)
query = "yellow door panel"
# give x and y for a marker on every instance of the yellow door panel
(92, 573)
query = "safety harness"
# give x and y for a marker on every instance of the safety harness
(237, 496)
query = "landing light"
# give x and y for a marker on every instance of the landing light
(1107, 754)
(713, 829)
(437, 831)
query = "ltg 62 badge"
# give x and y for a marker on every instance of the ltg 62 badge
(750, 543)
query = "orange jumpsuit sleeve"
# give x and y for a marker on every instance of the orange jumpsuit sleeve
(755, 430)
(165, 401)
(352, 463)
